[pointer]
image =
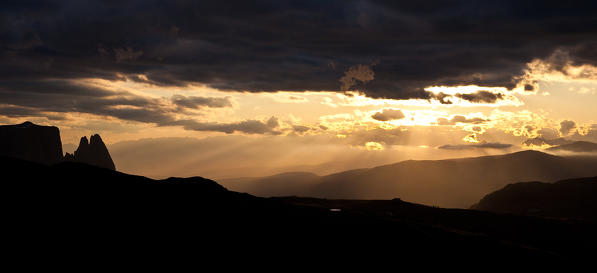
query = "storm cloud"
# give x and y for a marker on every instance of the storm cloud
(294, 45)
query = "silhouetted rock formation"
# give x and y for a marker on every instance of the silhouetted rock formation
(31, 142)
(573, 198)
(93, 152)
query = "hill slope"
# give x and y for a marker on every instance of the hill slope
(89, 209)
(445, 183)
(574, 198)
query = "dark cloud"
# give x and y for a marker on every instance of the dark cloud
(53, 98)
(127, 54)
(294, 45)
(355, 74)
(476, 146)
(459, 119)
(17, 111)
(476, 97)
(566, 127)
(396, 136)
(541, 141)
(481, 97)
(247, 126)
(194, 102)
(388, 114)
(301, 129)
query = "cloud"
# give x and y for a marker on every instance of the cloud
(387, 137)
(54, 98)
(541, 141)
(247, 126)
(459, 119)
(127, 54)
(17, 111)
(566, 127)
(476, 146)
(301, 129)
(288, 45)
(194, 102)
(388, 114)
(481, 97)
(358, 73)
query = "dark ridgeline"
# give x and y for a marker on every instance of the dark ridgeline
(93, 152)
(95, 210)
(31, 142)
(572, 198)
(91, 208)
(42, 144)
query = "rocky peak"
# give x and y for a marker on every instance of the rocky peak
(92, 152)
(31, 142)
(84, 142)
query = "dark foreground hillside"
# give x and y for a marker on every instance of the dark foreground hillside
(572, 198)
(83, 212)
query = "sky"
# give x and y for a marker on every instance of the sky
(248, 88)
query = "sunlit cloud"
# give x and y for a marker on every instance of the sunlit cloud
(473, 95)
(558, 67)
(373, 146)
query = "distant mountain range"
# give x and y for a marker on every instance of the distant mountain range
(90, 209)
(572, 198)
(446, 183)
(42, 144)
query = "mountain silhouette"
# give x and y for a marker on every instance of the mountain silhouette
(93, 152)
(31, 142)
(447, 183)
(42, 144)
(91, 208)
(572, 198)
(577, 146)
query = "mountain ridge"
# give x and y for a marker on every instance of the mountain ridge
(73, 200)
(570, 198)
(42, 144)
(458, 182)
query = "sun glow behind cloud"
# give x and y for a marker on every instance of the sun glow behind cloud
(471, 110)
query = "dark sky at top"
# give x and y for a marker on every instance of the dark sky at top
(287, 45)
